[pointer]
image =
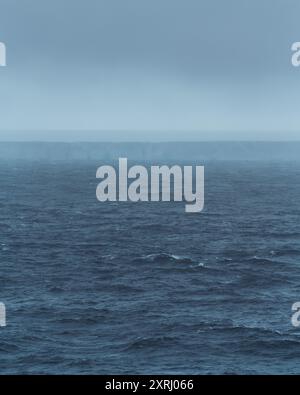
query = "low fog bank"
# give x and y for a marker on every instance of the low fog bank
(180, 151)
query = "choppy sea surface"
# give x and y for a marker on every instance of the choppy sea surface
(144, 288)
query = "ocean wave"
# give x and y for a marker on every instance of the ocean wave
(264, 261)
(151, 342)
(165, 257)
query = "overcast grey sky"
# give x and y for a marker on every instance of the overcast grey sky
(219, 68)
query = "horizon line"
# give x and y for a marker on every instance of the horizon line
(144, 136)
(142, 142)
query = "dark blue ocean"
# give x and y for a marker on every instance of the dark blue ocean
(144, 288)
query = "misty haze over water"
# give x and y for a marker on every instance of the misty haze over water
(161, 151)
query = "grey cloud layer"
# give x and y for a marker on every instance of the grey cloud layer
(162, 64)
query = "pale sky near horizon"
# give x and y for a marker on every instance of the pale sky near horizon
(218, 69)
